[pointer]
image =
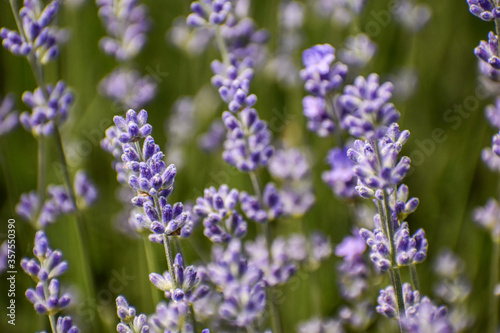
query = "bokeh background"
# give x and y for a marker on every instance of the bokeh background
(448, 176)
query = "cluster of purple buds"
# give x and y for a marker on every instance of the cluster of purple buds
(277, 265)
(58, 203)
(427, 317)
(387, 303)
(48, 263)
(291, 167)
(37, 37)
(50, 106)
(367, 107)
(321, 75)
(358, 51)
(484, 9)
(493, 114)
(264, 210)
(130, 322)
(241, 282)
(205, 12)
(341, 177)
(487, 52)
(400, 204)
(233, 82)
(133, 127)
(248, 142)
(126, 22)
(46, 296)
(8, 117)
(353, 270)
(377, 166)
(65, 325)
(184, 287)
(128, 88)
(244, 41)
(408, 249)
(220, 218)
(172, 222)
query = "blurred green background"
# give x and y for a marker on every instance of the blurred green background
(450, 179)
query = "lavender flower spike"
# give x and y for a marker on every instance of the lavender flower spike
(387, 300)
(358, 51)
(9, 118)
(487, 52)
(489, 217)
(85, 189)
(209, 11)
(47, 111)
(269, 209)
(484, 9)
(187, 281)
(133, 127)
(129, 321)
(50, 301)
(220, 218)
(65, 325)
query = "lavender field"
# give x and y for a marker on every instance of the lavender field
(309, 166)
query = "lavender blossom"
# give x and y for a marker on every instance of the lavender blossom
(129, 321)
(296, 199)
(277, 266)
(133, 127)
(85, 189)
(368, 107)
(488, 217)
(244, 297)
(49, 106)
(321, 75)
(400, 203)
(426, 317)
(269, 209)
(209, 12)
(409, 250)
(28, 206)
(65, 325)
(353, 269)
(487, 52)
(248, 143)
(186, 285)
(233, 82)
(289, 164)
(57, 204)
(126, 22)
(220, 218)
(128, 88)
(37, 36)
(491, 156)
(484, 9)
(341, 177)
(340, 11)
(358, 51)
(378, 167)
(168, 317)
(49, 301)
(319, 119)
(8, 117)
(173, 221)
(387, 301)
(310, 252)
(380, 253)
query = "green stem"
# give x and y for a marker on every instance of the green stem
(148, 251)
(51, 316)
(40, 190)
(222, 46)
(494, 275)
(386, 219)
(193, 317)
(414, 277)
(170, 259)
(78, 222)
